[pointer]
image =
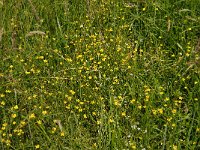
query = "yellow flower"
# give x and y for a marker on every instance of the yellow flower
(13, 115)
(161, 93)
(169, 119)
(32, 116)
(143, 9)
(44, 112)
(85, 116)
(5, 124)
(116, 103)
(197, 129)
(147, 97)
(123, 114)
(45, 61)
(154, 111)
(98, 122)
(2, 95)
(72, 92)
(95, 145)
(37, 146)
(3, 103)
(62, 134)
(27, 72)
(8, 91)
(8, 142)
(160, 110)
(22, 123)
(174, 111)
(34, 95)
(133, 145)
(173, 125)
(39, 122)
(111, 120)
(53, 130)
(16, 107)
(175, 147)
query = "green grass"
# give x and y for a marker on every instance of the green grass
(100, 74)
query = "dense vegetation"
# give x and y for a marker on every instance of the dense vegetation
(100, 74)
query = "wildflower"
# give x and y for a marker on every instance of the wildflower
(5, 124)
(143, 9)
(53, 130)
(13, 115)
(68, 106)
(140, 106)
(27, 72)
(197, 129)
(39, 122)
(62, 134)
(16, 107)
(34, 96)
(8, 91)
(154, 111)
(169, 119)
(173, 124)
(133, 145)
(175, 147)
(45, 61)
(22, 123)
(37, 146)
(95, 145)
(32, 116)
(2, 95)
(160, 110)
(72, 92)
(85, 116)
(98, 122)
(166, 99)
(161, 93)
(44, 112)
(147, 89)
(147, 98)
(174, 111)
(111, 120)
(123, 114)
(8, 142)
(116, 103)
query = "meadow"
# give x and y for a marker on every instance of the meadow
(100, 74)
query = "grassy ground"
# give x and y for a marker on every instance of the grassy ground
(100, 74)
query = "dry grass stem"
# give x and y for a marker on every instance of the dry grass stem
(1, 34)
(197, 48)
(31, 33)
(34, 10)
(58, 122)
(13, 39)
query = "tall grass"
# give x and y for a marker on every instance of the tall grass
(99, 74)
